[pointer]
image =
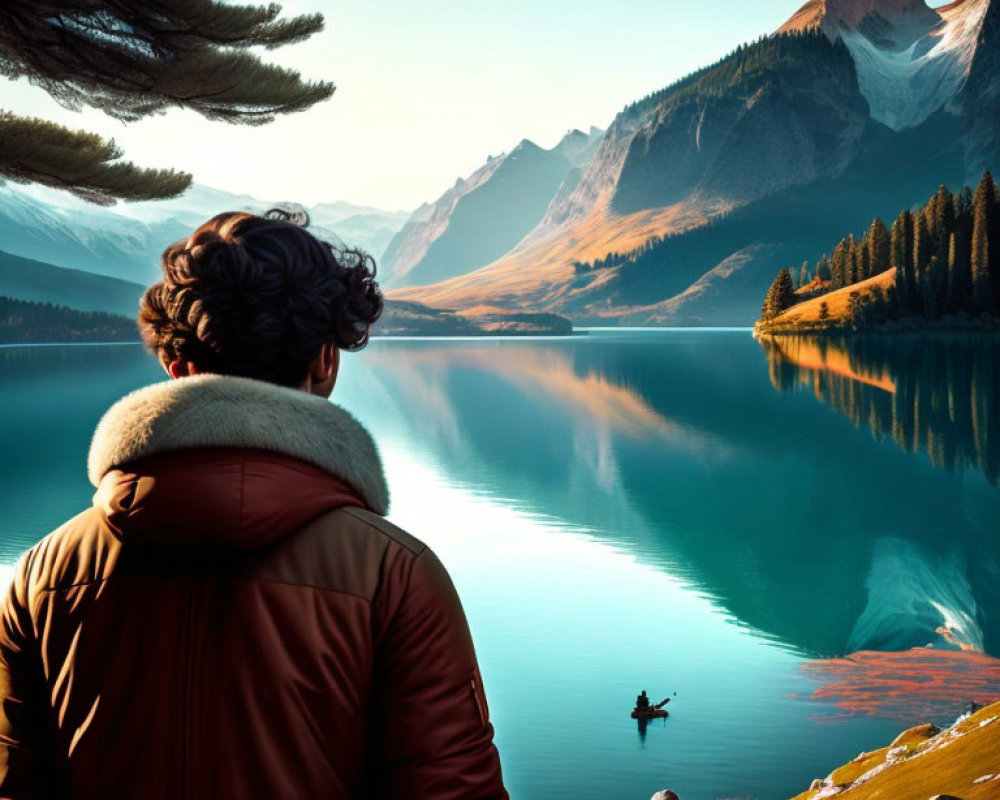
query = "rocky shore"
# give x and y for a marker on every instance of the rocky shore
(960, 762)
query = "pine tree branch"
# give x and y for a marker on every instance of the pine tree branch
(38, 151)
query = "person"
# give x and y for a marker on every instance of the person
(642, 701)
(233, 616)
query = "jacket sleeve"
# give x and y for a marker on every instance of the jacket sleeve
(25, 771)
(432, 735)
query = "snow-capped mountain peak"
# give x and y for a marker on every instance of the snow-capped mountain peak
(911, 60)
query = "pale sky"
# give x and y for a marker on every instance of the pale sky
(427, 89)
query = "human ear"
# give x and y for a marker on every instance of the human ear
(323, 370)
(179, 368)
(329, 362)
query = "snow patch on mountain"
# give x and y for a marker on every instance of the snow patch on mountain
(905, 86)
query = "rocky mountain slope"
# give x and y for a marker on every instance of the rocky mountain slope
(483, 216)
(856, 108)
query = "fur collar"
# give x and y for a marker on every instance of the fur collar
(224, 411)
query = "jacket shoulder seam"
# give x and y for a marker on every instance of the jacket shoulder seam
(387, 529)
(317, 587)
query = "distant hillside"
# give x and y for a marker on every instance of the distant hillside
(23, 322)
(27, 279)
(483, 216)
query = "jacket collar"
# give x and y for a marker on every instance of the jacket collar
(206, 411)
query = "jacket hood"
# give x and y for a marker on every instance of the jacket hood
(228, 460)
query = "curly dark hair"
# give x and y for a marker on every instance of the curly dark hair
(257, 297)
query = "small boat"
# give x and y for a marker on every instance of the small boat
(650, 713)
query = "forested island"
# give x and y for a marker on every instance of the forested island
(938, 267)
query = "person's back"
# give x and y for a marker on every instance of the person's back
(234, 617)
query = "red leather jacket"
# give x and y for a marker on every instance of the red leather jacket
(233, 618)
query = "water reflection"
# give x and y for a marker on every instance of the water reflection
(913, 685)
(679, 449)
(937, 395)
(795, 524)
(51, 399)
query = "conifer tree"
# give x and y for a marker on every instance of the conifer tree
(964, 200)
(909, 231)
(994, 238)
(896, 245)
(934, 288)
(922, 253)
(902, 255)
(879, 248)
(983, 209)
(823, 269)
(959, 275)
(853, 260)
(780, 296)
(839, 267)
(954, 280)
(942, 221)
(131, 60)
(863, 260)
(804, 276)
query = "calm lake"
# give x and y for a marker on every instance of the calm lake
(687, 512)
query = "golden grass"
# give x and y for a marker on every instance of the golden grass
(836, 301)
(813, 286)
(855, 769)
(949, 762)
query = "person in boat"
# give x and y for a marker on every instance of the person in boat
(642, 702)
(234, 616)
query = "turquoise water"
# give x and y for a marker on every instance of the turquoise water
(680, 511)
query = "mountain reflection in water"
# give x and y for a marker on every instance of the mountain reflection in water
(672, 450)
(678, 448)
(936, 396)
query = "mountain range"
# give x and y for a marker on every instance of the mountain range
(63, 251)
(685, 208)
(125, 241)
(680, 213)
